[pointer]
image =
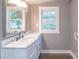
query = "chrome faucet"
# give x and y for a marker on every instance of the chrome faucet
(20, 35)
(16, 32)
(17, 37)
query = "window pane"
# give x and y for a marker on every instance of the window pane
(49, 20)
(15, 22)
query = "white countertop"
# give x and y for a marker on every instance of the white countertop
(24, 42)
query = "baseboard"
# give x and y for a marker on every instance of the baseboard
(73, 55)
(60, 52)
(56, 51)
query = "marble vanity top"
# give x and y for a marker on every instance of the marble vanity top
(24, 42)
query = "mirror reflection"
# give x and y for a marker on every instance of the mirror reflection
(17, 17)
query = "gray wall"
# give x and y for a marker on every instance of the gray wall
(28, 18)
(74, 25)
(1, 20)
(59, 41)
(1, 26)
(4, 17)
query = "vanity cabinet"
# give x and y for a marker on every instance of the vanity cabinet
(30, 52)
(33, 50)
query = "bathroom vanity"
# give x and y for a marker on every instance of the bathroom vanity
(26, 48)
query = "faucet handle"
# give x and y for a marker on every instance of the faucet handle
(17, 38)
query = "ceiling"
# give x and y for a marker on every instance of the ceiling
(37, 1)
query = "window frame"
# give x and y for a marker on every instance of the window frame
(57, 20)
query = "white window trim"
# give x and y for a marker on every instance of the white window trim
(10, 30)
(57, 22)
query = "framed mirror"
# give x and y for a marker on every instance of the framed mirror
(16, 17)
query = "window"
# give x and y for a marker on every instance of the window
(49, 19)
(15, 19)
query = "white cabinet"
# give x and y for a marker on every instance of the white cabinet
(30, 52)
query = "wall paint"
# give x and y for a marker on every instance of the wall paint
(74, 25)
(4, 17)
(28, 17)
(1, 20)
(1, 26)
(54, 41)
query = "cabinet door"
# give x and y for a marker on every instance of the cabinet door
(33, 56)
(31, 49)
(34, 49)
(38, 47)
(39, 43)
